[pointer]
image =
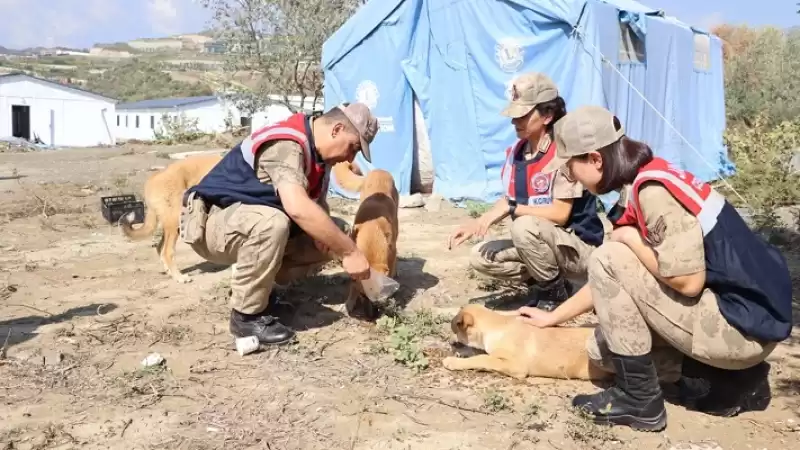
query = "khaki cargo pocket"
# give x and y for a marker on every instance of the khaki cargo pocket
(193, 220)
(572, 254)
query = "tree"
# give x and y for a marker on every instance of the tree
(280, 41)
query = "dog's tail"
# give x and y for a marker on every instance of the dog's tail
(147, 229)
(347, 177)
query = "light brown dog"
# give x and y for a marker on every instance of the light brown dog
(519, 350)
(163, 194)
(375, 231)
(349, 176)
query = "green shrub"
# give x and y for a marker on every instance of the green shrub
(762, 153)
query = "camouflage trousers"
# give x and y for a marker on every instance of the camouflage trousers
(538, 249)
(256, 239)
(639, 315)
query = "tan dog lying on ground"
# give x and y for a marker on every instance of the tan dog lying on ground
(375, 231)
(163, 194)
(519, 350)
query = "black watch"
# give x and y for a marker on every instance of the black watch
(512, 208)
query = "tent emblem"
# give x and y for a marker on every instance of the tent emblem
(509, 54)
(367, 93)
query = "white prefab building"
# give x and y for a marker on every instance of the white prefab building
(148, 119)
(56, 114)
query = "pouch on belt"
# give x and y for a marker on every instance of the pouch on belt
(194, 215)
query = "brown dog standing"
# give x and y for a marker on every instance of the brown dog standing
(519, 350)
(163, 194)
(375, 231)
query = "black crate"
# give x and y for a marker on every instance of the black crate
(117, 206)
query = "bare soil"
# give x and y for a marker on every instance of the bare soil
(80, 307)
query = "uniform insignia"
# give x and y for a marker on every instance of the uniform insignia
(655, 234)
(540, 183)
(514, 93)
(544, 143)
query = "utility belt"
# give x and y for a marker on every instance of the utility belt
(194, 215)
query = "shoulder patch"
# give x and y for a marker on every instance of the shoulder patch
(655, 234)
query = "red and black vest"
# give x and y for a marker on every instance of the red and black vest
(749, 276)
(524, 182)
(234, 179)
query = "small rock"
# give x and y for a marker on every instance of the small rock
(794, 163)
(156, 168)
(411, 201)
(52, 358)
(153, 359)
(434, 203)
(704, 445)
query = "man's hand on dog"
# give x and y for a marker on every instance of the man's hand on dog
(535, 317)
(356, 265)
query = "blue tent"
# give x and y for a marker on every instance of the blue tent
(457, 58)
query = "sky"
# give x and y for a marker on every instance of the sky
(82, 23)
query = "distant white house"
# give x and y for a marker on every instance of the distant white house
(148, 119)
(57, 114)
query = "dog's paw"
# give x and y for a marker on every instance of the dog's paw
(182, 279)
(451, 363)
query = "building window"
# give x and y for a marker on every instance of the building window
(152, 122)
(136, 121)
(126, 121)
(118, 120)
(702, 52)
(245, 121)
(631, 45)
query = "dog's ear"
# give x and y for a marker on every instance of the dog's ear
(461, 321)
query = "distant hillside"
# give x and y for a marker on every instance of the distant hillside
(11, 51)
(137, 80)
(37, 50)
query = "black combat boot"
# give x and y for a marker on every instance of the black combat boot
(265, 327)
(719, 392)
(635, 399)
(550, 294)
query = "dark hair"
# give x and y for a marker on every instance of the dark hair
(621, 162)
(556, 108)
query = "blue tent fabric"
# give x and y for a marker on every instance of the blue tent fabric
(458, 58)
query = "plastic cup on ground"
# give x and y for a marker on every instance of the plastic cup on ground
(379, 287)
(247, 345)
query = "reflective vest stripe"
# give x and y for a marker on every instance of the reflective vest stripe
(706, 206)
(251, 144)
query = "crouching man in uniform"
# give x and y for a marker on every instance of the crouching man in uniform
(263, 209)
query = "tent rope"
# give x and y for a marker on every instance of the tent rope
(613, 66)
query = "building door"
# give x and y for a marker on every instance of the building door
(21, 121)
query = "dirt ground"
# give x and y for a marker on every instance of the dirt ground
(80, 307)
